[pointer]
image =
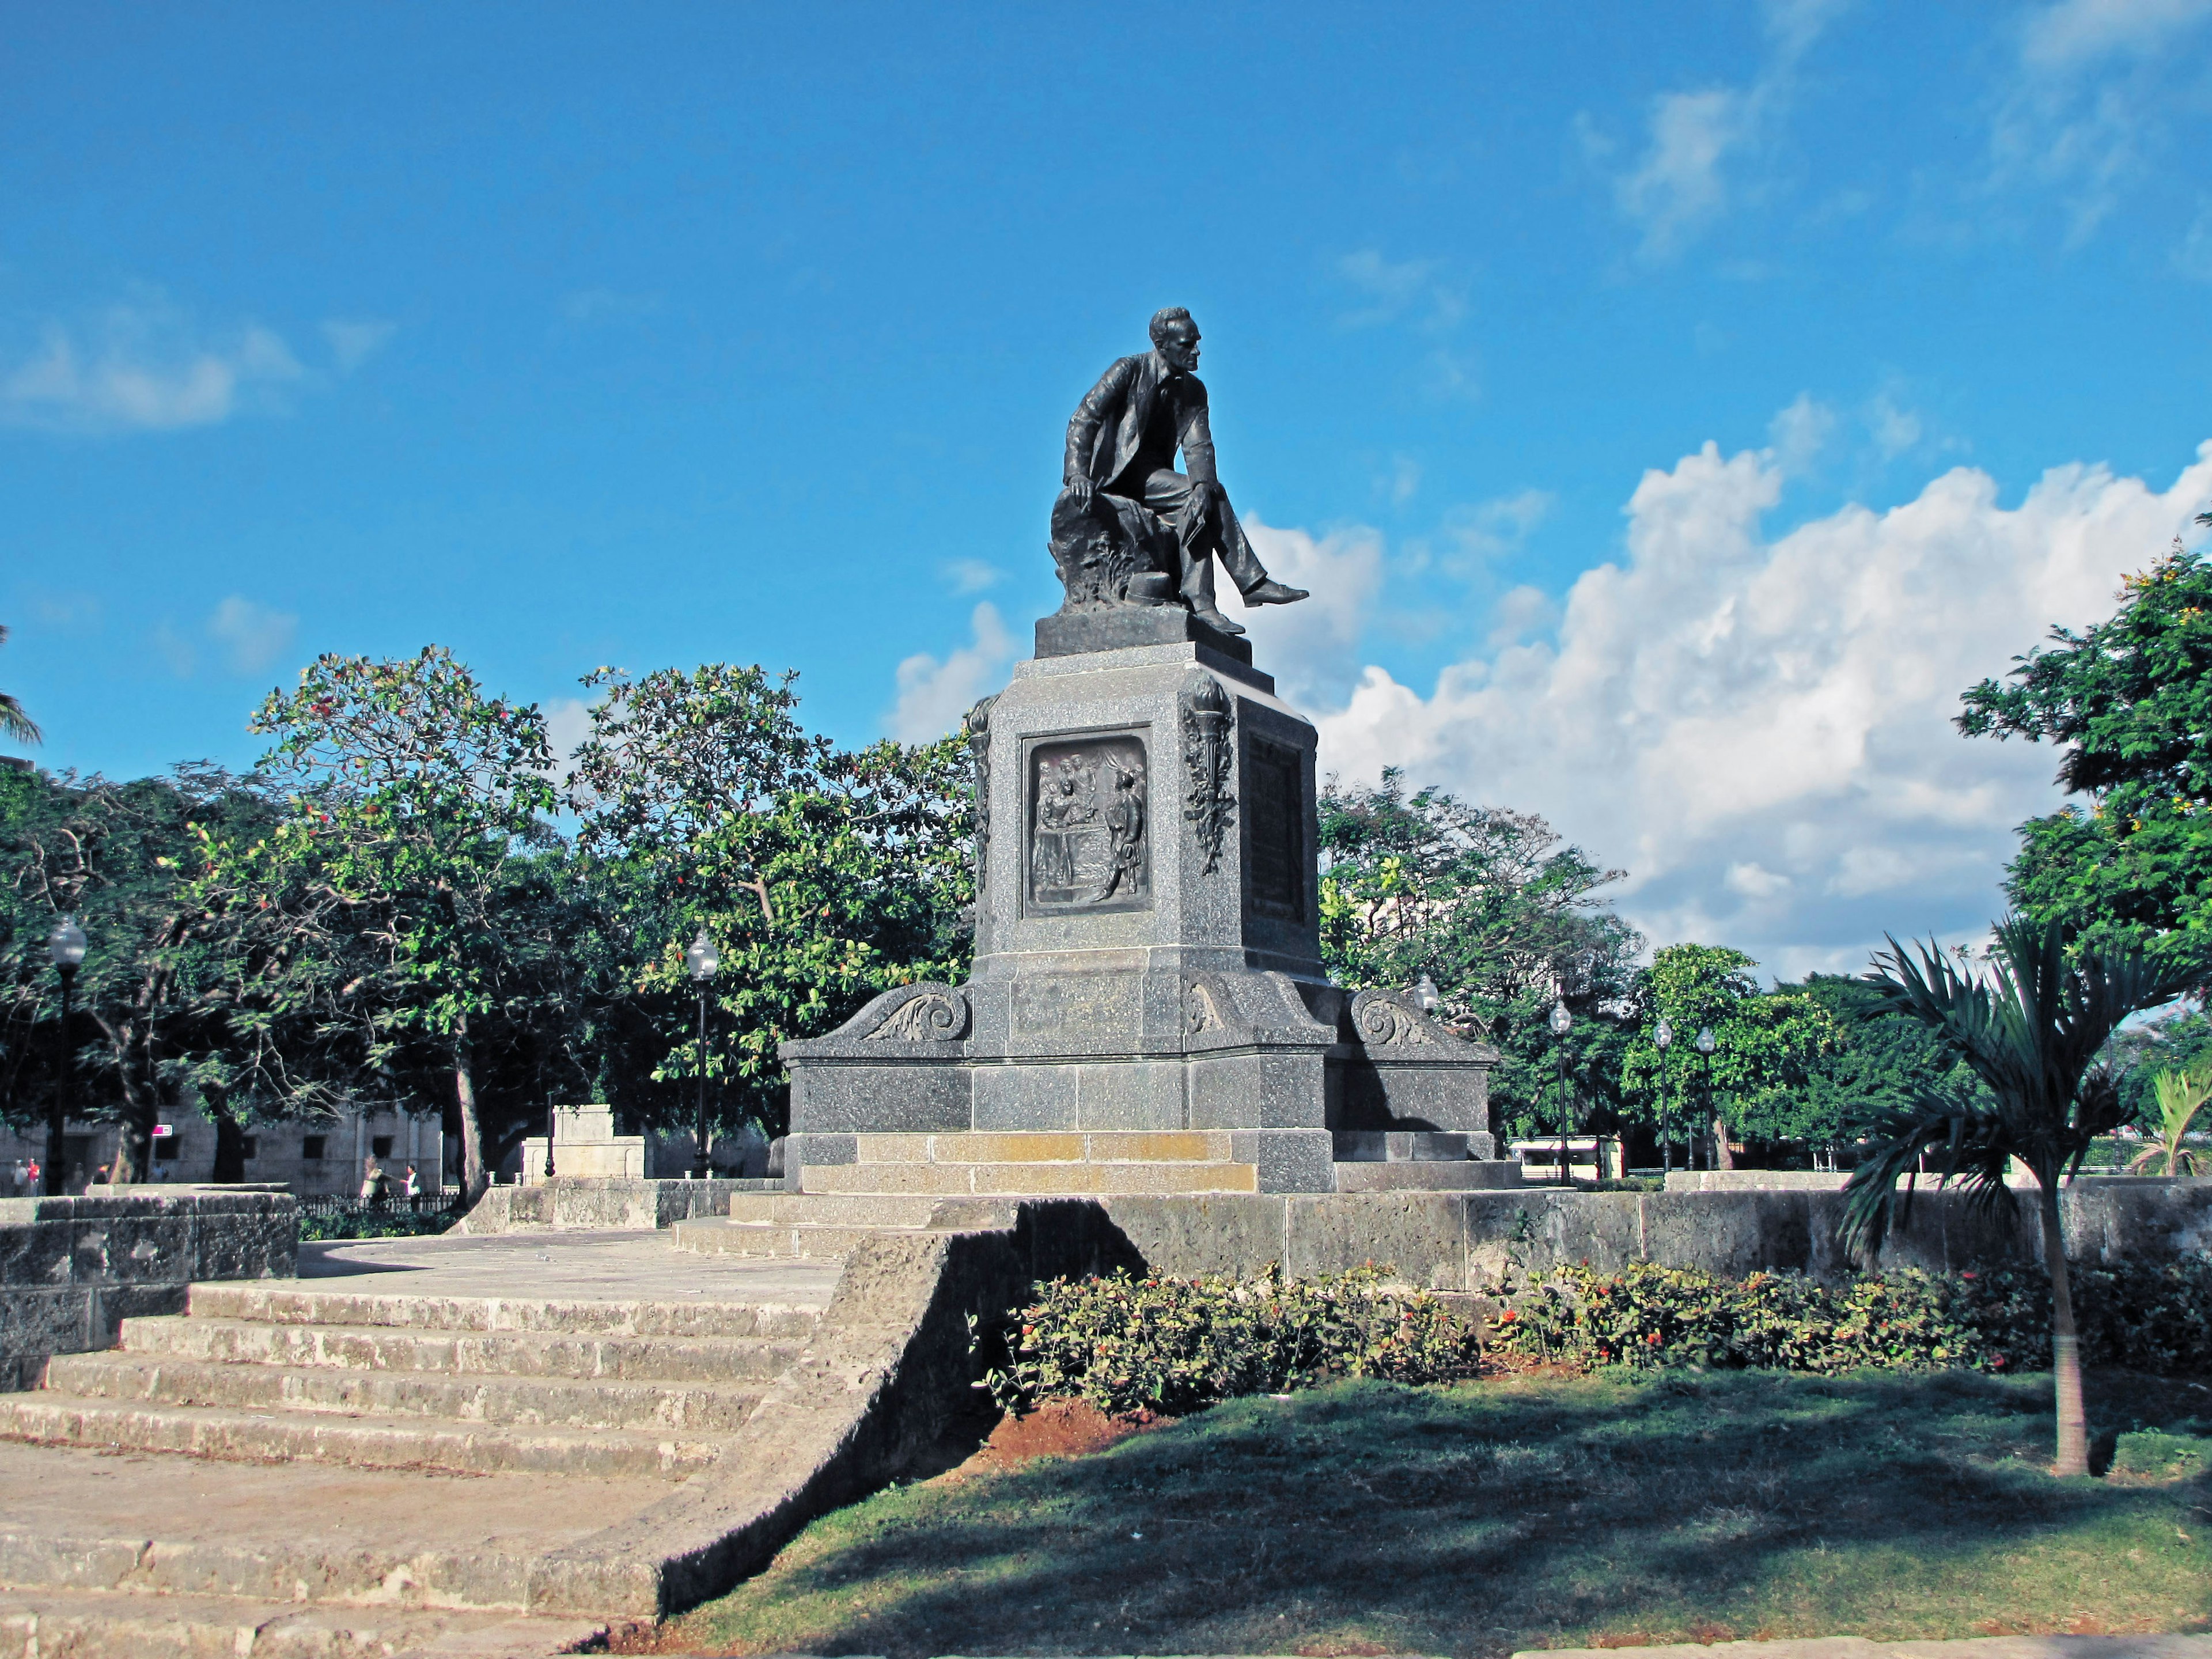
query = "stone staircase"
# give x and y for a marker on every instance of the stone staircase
(829, 1226)
(468, 1386)
(1037, 1164)
(914, 1184)
(335, 1442)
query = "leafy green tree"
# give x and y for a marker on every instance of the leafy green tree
(2139, 1051)
(151, 997)
(1489, 905)
(401, 866)
(1879, 1060)
(14, 722)
(1764, 1045)
(2031, 1030)
(823, 876)
(2130, 700)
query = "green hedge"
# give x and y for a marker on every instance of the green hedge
(1129, 1344)
(2148, 1316)
(1132, 1345)
(323, 1224)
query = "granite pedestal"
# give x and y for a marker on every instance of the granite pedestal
(1147, 951)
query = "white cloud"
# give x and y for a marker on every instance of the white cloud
(567, 723)
(1702, 147)
(933, 696)
(1800, 433)
(1895, 430)
(1678, 188)
(970, 575)
(144, 367)
(1403, 481)
(353, 342)
(252, 636)
(2075, 33)
(1760, 729)
(1495, 528)
(1400, 288)
(1519, 612)
(1310, 646)
(2087, 105)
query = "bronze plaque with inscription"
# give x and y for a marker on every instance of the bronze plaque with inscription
(1275, 796)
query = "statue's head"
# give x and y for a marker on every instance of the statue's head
(1175, 338)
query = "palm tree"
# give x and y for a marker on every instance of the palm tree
(2031, 1030)
(14, 722)
(2181, 1094)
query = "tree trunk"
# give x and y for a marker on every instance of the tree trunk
(1723, 1155)
(2066, 1345)
(473, 1179)
(229, 1138)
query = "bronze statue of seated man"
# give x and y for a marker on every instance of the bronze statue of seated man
(1122, 443)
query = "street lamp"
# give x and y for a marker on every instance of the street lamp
(1706, 1048)
(1664, 1036)
(65, 945)
(1560, 1021)
(702, 958)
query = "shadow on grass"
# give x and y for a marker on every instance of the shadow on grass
(1479, 1519)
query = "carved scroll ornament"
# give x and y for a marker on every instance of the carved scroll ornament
(1208, 807)
(923, 1012)
(979, 752)
(1386, 1020)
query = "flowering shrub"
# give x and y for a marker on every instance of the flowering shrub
(2150, 1316)
(1170, 1345)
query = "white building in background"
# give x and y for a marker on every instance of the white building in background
(313, 1157)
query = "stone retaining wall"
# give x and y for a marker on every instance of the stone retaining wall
(71, 1267)
(1470, 1241)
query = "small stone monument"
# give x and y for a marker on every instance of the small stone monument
(1147, 988)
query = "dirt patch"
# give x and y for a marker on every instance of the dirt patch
(1057, 1428)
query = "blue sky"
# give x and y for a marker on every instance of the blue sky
(567, 335)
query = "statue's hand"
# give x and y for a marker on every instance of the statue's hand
(1080, 490)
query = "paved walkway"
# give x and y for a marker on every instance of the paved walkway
(581, 1267)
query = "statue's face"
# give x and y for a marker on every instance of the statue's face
(1180, 347)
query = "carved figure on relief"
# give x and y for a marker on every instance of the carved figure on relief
(1087, 841)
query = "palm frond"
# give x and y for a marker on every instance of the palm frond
(2030, 1028)
(14, 722)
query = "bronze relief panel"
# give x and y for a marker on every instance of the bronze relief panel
(1088, 839)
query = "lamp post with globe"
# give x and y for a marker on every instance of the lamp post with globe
(1663, 1038)
(702, 958)
(1561, 1022)
(1706, 1045)
(65, 945)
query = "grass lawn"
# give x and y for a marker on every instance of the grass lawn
(1366, 1518)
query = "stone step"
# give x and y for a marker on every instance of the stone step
(500, 1353)
(50, 1417)
(716, 1236)
(1088, 1146)
(1030, 1180)
(867, 1210)
(697, 1408)
(259, 1300)
(118, 1624)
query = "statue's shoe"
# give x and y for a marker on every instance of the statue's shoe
(1215, 620)
(1273, 593)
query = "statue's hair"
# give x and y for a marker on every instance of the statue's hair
(1163, 317)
